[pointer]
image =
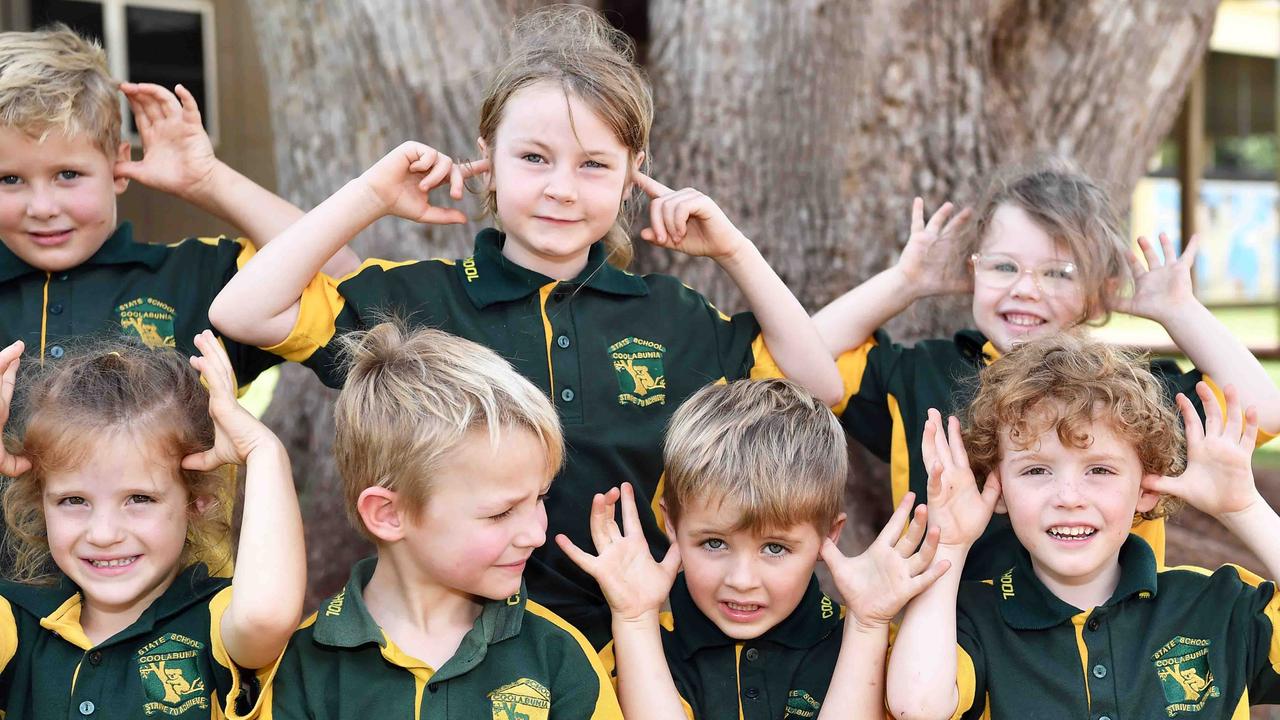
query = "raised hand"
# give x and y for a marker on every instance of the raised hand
(687, 221)
(956, 507)
(877, 584)
(177, 155)
(1160, 286)
(1218, 479)
(928, 262)
(237, 433)
(634, 584)
(402, 179)
(10, 357)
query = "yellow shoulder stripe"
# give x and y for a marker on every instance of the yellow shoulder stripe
(8, 634)
(764, 366)
(1264, 436)
(607, 707)
(966, 682)
(852, 366)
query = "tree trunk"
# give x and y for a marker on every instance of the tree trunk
(812, 122)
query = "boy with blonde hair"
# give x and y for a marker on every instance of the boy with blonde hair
(755, 477)
(1076, 443)
(446, 454)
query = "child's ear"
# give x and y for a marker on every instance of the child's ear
(484, 153)
(1147, 499)
(667, 525)
(202, 504)
(123, 155)
(380, 513)
(1001, 508)
(837, 526)
(637, 163)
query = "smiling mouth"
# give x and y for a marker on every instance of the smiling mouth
(49, 237)
(116, 563)
(1071, 533)
(558, 221)
(1022, 320)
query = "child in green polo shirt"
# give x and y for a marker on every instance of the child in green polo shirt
(564, 132)
(112, 505)
(755, 472)
(1076, 442)
(1043, 252)
(446, 455)
(68, 267)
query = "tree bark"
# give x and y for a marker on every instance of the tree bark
(812, 122)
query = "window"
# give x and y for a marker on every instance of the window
(166, 42)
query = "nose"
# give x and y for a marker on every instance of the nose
(533, 533)
(41, 202)
(105, 529)
(742, 574)
(562, 185)
(1069, 494)
(1026, 285)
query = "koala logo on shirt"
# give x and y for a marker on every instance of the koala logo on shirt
(523, 699)
(1182, 664)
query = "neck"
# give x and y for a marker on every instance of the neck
(101, 621)
(407, 603)
(556, 268)
(1085, 592)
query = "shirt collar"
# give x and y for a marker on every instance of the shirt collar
(1026, 604)
(975, 346)
(344, 621)
(814, 618)
(118, 249)
(491, 278)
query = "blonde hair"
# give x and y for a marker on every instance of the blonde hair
(575, 48)
(53, 80)
(93, 396)
(1066, 383)
(411, 398)
(766, 449)
(1070, 208)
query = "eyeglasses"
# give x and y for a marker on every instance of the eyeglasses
(1056, 277)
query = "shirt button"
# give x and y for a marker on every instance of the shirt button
(752, 693)
(95, 658)
(56, 352)
(563, 341)
(55, 309)
(752, 654)
(1104, 717)
(1099, 671)
(64, 276)
(1094, 624)
(87, 708)
(566, 395)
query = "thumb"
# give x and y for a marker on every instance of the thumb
(14, 465)
(581, 558)
(830, 552)
(991, 490)
(671, 561)
(202, 461)
(1161, 484)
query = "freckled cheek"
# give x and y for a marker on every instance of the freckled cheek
(90, 205)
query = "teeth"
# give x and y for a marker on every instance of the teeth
(120, 562)
(1071, 531)
(1020, 319)
(742, 608)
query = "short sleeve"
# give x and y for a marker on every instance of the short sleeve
(971, 681)
(864, 410)
(8, 648)
(1257, 609)
(247, 361)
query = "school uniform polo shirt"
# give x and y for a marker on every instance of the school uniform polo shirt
(783, 674)
(170, 663)
(617, 353)
(1170, 643)
(519, 662)
(159, 294)
(889, 390)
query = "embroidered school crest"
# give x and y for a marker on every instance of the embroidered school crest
(149, 320)
(523, 699)
(641, 379)
(169, 667)
(1182, 664)
(801, 704)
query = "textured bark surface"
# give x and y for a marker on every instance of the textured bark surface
(812, 122)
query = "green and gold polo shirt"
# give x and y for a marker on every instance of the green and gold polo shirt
(890, 388)
(783, 674)
(519, 662)
(617, 353)
(159, 294)
(1179, 642)
(169, 664)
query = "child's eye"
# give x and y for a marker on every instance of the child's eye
(774, 549)
(533, 158)
(504, 514)
(1061, 273)
(139, 499)
(1036, 471)
(72, 500)
(1101, 471)
(1005, 266)
(68, 175)
(594, 164)
(713, 544)
(10, 180)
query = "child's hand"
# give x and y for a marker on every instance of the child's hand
(1218, 480)
(878, 583)
(237, 433)
(633, 583)
(177, 156)
(1162, 286)
(956, 507)
(10, 357)
(402, 179)
(927, 262)
(688, 221)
